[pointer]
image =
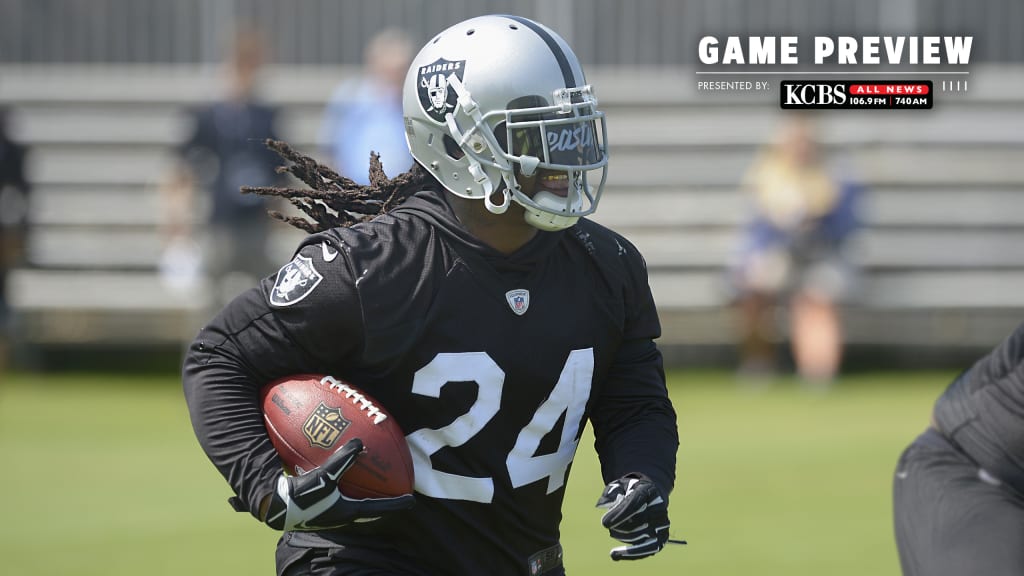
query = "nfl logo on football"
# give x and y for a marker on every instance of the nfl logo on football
(324, 426)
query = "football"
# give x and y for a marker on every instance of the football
(309, 416)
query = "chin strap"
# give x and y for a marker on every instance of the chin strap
(498, 208)
(479, 140)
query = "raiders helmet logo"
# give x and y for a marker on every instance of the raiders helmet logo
(437, 98)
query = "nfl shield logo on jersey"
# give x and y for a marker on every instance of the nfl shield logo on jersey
(295, 281)
(518, 300)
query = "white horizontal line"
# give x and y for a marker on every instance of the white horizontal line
(798, 73)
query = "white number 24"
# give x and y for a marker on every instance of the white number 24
(568, 397)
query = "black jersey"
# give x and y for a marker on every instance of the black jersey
(492, 365)
(982, 411)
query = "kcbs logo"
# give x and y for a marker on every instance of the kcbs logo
(856, 95)
(796, 94)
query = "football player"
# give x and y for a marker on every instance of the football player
(472, 298)
(959, 487)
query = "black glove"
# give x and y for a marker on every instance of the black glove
(313, 501)
(637, 515)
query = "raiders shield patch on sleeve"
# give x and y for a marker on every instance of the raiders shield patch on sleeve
(295, 281)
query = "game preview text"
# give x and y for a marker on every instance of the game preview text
(841, 50)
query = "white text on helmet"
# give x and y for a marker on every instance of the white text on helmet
(440, 67)
(570, 138)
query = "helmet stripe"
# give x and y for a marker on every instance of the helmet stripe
(563, 61)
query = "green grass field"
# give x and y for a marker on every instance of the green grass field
(103, 476)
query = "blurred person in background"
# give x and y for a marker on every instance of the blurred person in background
(365, 114)
(14, 193)
(958, 492)
(223, 152)
(793, 252)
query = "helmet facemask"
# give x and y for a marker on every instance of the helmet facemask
(565, 137)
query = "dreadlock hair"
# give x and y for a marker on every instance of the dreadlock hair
(333, 200)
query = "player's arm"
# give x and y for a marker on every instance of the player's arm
(310, 324)
(636, 439)
(635, 428)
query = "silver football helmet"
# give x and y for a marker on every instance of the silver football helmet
(496, 98)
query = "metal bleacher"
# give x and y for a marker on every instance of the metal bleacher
(942, 251)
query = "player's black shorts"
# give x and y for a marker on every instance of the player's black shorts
(300, 554)
(953, 518)
(306, 554)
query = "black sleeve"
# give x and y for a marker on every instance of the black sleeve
(252, 342)
(991, 388)
(982, 411)
(634, 421)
